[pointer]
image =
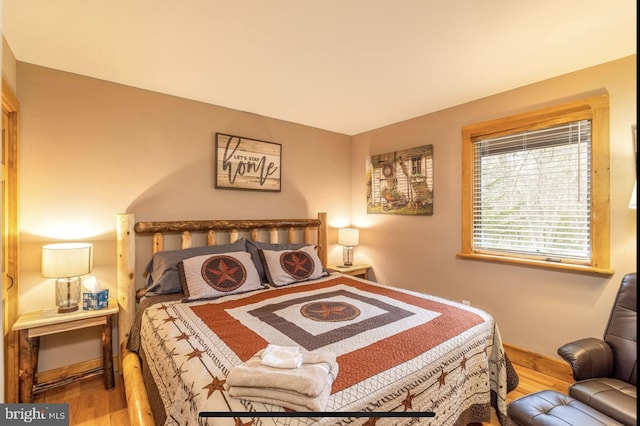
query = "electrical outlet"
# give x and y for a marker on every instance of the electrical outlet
(466, 302)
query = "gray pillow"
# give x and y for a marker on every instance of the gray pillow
(162, 270)
(254, 248)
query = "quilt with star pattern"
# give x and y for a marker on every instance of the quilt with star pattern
(436, 361)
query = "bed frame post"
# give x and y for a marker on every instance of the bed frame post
(323, 231)
(137, 398)
(126, 264)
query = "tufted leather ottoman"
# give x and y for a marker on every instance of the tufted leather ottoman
(551, 408)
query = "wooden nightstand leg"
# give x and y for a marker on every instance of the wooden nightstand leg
(107, 355)
(28, 359)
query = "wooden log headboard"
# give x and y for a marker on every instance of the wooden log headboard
(216, 232)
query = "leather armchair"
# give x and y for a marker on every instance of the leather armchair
(605, 369)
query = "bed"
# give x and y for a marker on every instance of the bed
(399, 357)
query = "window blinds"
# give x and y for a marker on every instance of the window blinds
(531, 193)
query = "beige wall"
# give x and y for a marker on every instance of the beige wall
(8, 65)
(91, 149)
(535, 309)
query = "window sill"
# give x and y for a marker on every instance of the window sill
(538, 264)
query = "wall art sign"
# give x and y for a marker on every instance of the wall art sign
(243, 163)
(401, 182)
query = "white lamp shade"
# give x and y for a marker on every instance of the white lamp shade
(348, 237)
(66, 260)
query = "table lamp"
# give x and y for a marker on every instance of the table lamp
(348, 237)
(66, 262)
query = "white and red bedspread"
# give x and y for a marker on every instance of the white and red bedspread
(397, 351)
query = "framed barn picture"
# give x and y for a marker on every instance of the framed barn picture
(401, 182)
(244, 163)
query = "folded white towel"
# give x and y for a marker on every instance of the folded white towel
(309, 379)
(281, 356)
(284, 398)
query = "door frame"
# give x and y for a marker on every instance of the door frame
(9, 234)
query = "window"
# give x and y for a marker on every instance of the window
(536, 188)
(416, 165)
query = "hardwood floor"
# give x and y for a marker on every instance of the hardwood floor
(90, 404)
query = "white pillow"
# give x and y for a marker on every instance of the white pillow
(215, 275)
(290, 266)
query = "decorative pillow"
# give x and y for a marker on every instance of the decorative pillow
(290, 266)
(254, 248)
(210, 276)
(162, 270)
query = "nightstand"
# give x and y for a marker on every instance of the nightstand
(361, 270)
(32, 325)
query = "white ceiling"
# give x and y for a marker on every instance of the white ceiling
(343, 65)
